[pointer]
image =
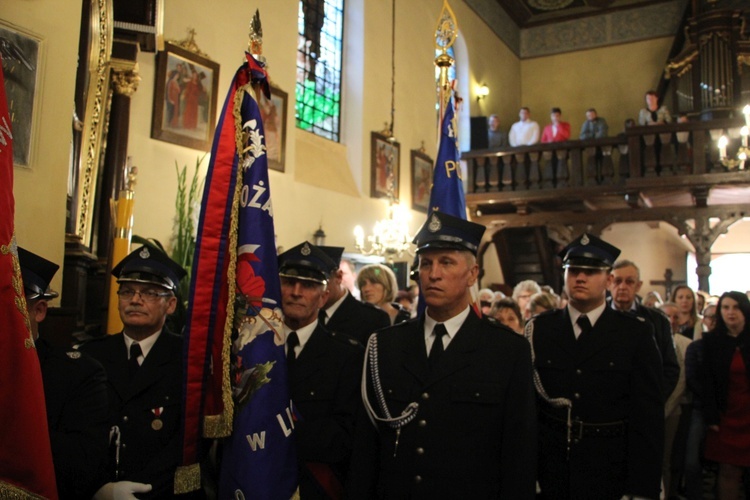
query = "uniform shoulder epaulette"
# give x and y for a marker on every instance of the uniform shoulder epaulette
(73, 354)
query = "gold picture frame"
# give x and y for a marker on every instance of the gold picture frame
(185, 98)
(384, 166)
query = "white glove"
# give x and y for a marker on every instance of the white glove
(121, 490)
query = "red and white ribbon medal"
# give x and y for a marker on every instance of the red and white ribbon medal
(157, 423)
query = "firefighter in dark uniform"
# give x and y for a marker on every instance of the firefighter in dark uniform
(144, 371)
(448, 396)
(342, 313)
(324, 374)
(599, 378)
(75, 391)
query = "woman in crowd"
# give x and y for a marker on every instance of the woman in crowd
(378, 286)
(653, 299)
(690, 322)
(507, 312)
(541, 302)
(727, 393)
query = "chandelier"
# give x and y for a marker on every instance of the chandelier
(742, 152)
(390, 237)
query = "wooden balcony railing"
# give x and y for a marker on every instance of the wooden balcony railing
(656, 153)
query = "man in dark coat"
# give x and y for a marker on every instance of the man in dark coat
(345, 314)
(324, 374)
(601, 408)
(458, 422)
(75, 391)
(144, 371)
(624, 287)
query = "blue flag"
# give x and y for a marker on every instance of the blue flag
(259, 460)
(447, 193)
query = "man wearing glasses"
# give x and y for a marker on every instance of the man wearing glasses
(144, 371)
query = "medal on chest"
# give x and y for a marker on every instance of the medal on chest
(157, 423)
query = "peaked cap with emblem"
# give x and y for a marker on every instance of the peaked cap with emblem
(151, 266)
(334, 253)
(589, 252)
(446, 232)
(306, 262)
(37, 273)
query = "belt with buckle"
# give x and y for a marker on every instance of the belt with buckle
(583, 429)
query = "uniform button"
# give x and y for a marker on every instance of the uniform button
(611, 363)
(549, 361)
(422, 423)
(476, 394)
(425, 395)
(577, 396)
(166, 397)
(124, 445)
(312, 393)
(417, 479)
(578, 372)
(420, 451)
(125, 418)
(390, 391)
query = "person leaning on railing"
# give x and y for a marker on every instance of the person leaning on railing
(595, 127)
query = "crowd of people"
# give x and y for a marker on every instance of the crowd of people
(585, 394)
(526, 132)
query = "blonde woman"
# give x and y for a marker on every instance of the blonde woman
(691, 324)
(378, 286)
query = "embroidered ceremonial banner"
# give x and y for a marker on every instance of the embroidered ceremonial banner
(26, 469)
(236, 380)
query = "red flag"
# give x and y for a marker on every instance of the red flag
(26, 469)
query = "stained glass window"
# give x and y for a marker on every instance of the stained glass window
(319, 56)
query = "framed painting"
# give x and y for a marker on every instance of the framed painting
(185, 98)
(21, 69)
(421, 180)
(384, 166)
(273, 113)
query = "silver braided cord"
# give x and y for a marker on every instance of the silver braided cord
(528, 332)
(409, 413)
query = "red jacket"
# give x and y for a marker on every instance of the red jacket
(563, 133)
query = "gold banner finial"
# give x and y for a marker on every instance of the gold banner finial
(446, 33)
(255, 35)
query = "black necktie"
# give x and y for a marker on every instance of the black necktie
(292, 341)
(135, 352)
(585, 324)
(437, 348)
(322, 316)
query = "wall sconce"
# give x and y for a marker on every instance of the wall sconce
(482, 92)
(319, 237)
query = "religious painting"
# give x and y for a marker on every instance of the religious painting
(21, 51)
(384, 169)
(185, 98)
(273, 114)
(421, 180)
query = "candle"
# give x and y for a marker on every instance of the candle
(746, 112)
(744, 133)
(723, 141)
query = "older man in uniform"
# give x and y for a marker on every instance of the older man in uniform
(324, 374)
(624, 287)
(144, 371)
(449, 394)
(342, 313)
(599, 377)
(75, 391)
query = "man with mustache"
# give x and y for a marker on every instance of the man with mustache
(449, 396)
(601, 404)
(144, 372)
(324, 374)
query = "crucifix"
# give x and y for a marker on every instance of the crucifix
(667, 283)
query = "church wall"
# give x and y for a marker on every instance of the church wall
(40, 190)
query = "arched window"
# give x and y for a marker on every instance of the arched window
(319, 49)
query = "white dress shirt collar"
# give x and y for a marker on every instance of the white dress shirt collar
(303, 334)
(146, 345)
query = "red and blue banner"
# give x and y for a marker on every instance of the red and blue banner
(236, 379)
